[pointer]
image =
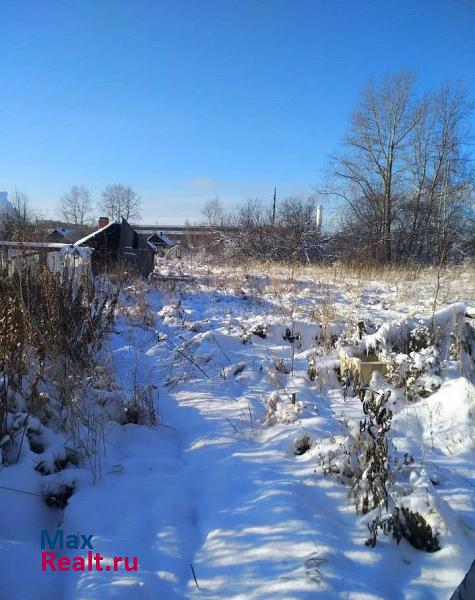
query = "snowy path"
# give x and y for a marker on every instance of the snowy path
(254, 520)
(240, 506)
(233, 507)
(213, 486)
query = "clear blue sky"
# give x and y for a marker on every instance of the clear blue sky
(188, 100)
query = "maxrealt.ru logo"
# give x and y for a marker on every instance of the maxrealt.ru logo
(92, 561)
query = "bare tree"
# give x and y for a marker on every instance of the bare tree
(403, 171)
(120, 201)
(254, 230)
(297, 233)
(16, 217)
(248, 232)
(374, 145)
(75, 207)
(439, 204)
(213, 212)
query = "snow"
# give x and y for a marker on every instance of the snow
(165, 239)
(47, 245)
(214, 487)
(71, 249)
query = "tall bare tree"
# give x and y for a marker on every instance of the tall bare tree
(75, 207)
(403, 170)
(439, 203)
(16, 217)
(120, 201)
(373, 147)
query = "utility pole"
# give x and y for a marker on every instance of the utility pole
(273, 208)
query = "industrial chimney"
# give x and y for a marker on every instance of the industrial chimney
(318, 217)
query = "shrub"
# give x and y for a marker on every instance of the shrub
(369, 455)
(404, 523)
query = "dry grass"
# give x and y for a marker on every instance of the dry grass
(407, 283)
(50, 329)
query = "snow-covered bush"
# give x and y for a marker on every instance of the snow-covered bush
(312, 371)
(419, 338)
(56, 495)
(419, 372)
(172, 314)
(302, 444)
(279, 410)
(363, 462)
(407, 524)
(260, 329)
(281, 366)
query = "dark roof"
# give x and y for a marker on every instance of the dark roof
(94, 233)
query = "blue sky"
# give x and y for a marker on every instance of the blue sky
(188, 100)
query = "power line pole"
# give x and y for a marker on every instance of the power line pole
(273, 208)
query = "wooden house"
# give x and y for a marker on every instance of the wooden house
(106, 242)
(132, 246)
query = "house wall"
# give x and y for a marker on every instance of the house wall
(139, 260)
(126, 236)
(134, 251)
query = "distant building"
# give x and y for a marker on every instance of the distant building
(47, 230)
(58, 234)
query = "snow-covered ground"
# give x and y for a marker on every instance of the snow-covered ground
(213, 499)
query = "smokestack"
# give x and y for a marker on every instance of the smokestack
(103, 221)
(318, 218)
